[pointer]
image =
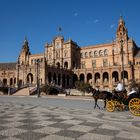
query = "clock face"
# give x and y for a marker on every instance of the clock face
(57, 45)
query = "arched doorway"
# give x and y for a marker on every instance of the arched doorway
(54, 78)
(49, 77)
(82, 77)
(105, 77)
(4, 82)
(59, 79)
(63, 81)
(97, 79)
(68, 80)
(14, 81)
(30, 78)
(75, 78)
(115, 77)
(58, 65)
(11, 81)
(125, 76)
(20, 84)
(89, 78)
(66, 65)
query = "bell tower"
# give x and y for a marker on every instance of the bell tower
(122, 33)
(121, 43)
(24, 54)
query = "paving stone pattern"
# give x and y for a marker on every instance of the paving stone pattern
(26, 122)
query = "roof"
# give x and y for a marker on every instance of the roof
(8, 66)
(138, 54)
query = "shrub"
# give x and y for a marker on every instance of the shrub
(81, 86)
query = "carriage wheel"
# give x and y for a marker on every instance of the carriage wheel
(119, 106)
(110, 106)
(134, 106)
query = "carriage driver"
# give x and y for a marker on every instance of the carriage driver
(119, 87)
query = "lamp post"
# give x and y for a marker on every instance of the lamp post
(37, 78)
(122, 58)
(18, 65)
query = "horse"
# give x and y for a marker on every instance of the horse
(104, 95)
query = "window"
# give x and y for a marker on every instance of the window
(90, 54)
(83, 65)
(105, 52)
(93, 63)
(105, 62)
(57, 54)
(82, 55)
(32, 61)
(65, 53)
(50, 56)
(101, 53)
(95, 54)
(86, 54)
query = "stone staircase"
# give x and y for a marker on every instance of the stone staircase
(22, 92)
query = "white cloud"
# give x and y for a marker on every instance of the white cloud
(96, 20)
(112, 26)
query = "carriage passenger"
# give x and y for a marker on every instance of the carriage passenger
(132, 93)
(120, 87)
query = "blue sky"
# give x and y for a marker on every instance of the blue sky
(87, 22)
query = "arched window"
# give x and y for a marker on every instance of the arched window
(57, 54)
(86, 54)
(50, 56)
(105, 52)
(91, 54)
(101, 53)
(66, 65)
(58, 65)
(82, 55)
(65, 53)
(95, 54)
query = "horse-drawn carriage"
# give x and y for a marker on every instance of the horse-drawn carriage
(132, 103)
(113, 101)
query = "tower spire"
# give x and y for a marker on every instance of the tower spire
(121, 30)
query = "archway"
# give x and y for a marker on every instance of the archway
(89, 78)
(20, 83)
(14, 80)
(54, 78)
(68, 80)
(97, 77)
(11, 81)
(115, 76)
(30, 78)
(63, 81)
(59, 79)
(125, 76)
(66, 65)
(82, 77)
(4, 82)
(105, 77)
(75, 78)
(58, 65)
(49, 77)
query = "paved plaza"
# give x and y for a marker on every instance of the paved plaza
(63, 118)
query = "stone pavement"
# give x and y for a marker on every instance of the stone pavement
(19, 121)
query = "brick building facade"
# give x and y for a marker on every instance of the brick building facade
(64, 62)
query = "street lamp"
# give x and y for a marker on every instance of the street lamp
(37, 78)
(122, 58)
(18, 65)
